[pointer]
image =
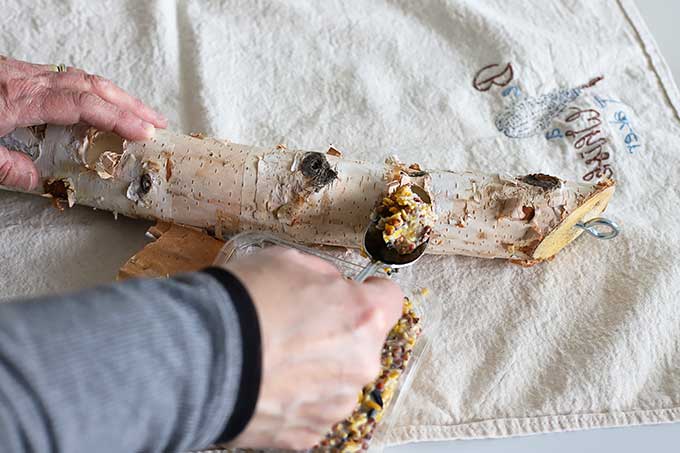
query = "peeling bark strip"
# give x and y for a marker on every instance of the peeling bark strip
(312, 197)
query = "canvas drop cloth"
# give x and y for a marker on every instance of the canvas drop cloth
(590, 339)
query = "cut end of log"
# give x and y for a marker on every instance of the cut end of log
(566, 231)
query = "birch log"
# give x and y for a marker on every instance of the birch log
(225, 188)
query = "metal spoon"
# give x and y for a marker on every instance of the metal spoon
(382, 255)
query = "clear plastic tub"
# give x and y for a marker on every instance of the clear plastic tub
(350, 263)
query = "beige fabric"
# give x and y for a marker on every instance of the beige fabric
(591, 339)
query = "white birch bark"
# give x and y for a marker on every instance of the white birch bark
(225, 188)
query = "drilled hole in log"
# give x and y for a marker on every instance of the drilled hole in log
(60, 190)
(315, 166)
(57, 188)
(540, 180)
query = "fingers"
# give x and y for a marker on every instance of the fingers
(24, 66)
(108, 91)
(362, 363)
(71, 107)
(316, 264)
(17, 170)
(298, 438)
(35, 94)
(329, 410)
(385, 296)
(292, 257)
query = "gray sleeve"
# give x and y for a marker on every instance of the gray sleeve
(139, 366)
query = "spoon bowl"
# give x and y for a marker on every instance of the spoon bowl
(377, 249)
(381, 254)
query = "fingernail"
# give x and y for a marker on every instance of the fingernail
(149, 130)
(161, 119)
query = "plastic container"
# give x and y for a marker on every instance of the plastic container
(350, 263)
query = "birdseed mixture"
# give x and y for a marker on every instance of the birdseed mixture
(354, 433)
(405, 220)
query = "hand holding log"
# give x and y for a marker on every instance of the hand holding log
(32, 94)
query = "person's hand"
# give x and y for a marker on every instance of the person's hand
(322, 336)
(32, 94)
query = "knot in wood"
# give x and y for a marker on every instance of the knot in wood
(315, 166)
(540, 180)
(144, 184)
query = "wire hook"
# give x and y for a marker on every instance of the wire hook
(600, 228)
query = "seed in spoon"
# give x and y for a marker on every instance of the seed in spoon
(405, 220)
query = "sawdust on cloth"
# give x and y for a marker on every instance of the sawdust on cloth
(588, 340)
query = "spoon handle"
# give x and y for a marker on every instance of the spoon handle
(368, 271)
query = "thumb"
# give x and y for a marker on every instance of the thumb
(17, 170)
(386, 296)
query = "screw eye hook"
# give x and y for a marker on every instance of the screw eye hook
(600, 228)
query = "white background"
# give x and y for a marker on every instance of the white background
(663, 19)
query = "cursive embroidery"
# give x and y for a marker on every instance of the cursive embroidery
(527, 116)
(490, 76)
(631, 138)
(590, 142)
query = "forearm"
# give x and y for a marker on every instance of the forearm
(146, 365)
